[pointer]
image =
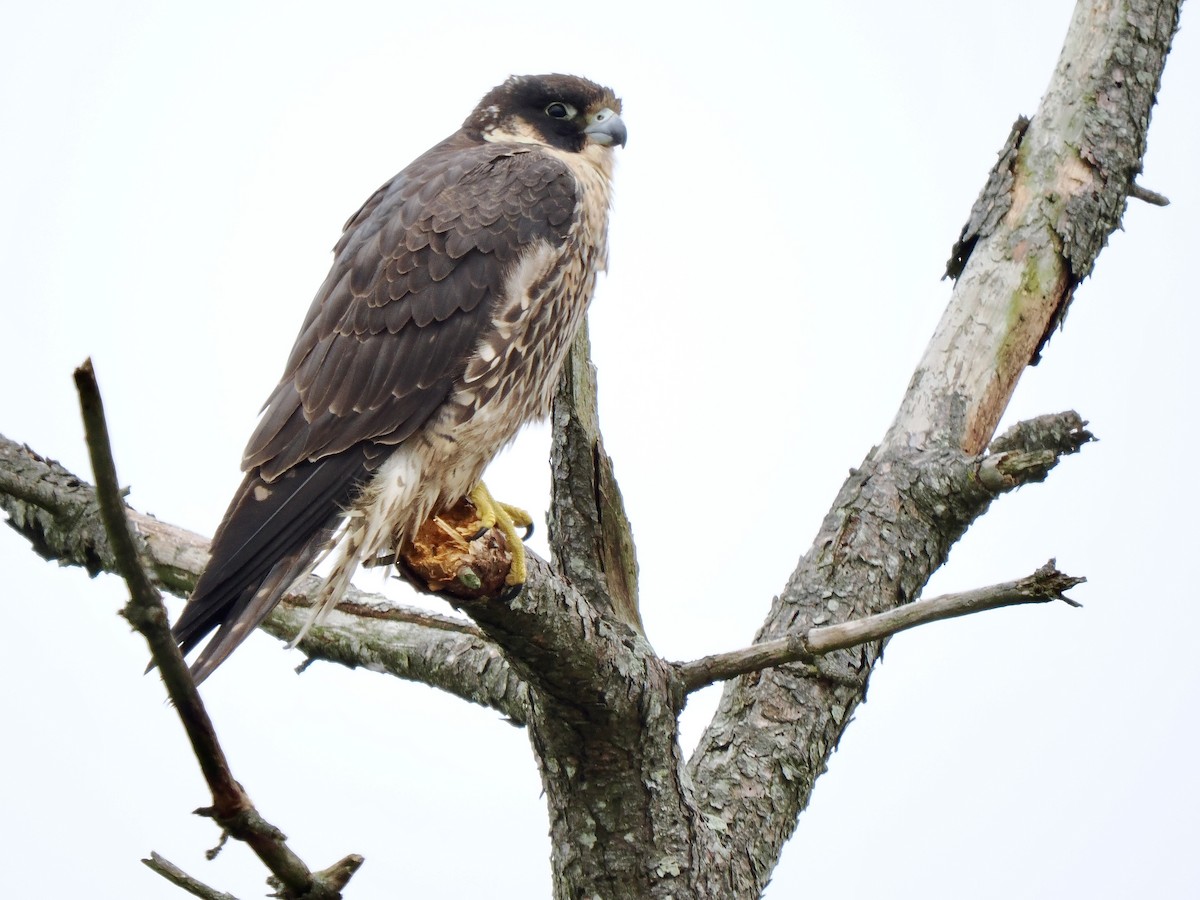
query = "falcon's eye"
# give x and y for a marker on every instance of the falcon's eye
(559, 111)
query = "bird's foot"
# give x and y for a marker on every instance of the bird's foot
(507, 518)
(450, 553)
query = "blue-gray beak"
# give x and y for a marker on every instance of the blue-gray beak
(606, 128)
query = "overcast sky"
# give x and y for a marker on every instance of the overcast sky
(172, 178)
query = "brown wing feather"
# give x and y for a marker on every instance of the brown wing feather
(411, 292)
(415, 278)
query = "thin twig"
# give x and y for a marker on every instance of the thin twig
(232, 808)
(1154, 198)
(180, 878)
(1043, 586)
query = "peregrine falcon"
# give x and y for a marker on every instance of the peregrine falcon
(454, 297)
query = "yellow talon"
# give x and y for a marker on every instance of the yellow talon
(520, 518)
(494, 514)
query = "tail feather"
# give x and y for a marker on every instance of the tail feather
(250, 612)
(271, 534)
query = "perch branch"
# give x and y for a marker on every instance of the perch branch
(232, 808)
(57, 513)
(1043, 586)
(371, 631)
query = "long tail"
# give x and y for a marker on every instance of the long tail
(251, 611)
(271, 534)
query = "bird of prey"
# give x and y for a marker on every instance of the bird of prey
(455, 293)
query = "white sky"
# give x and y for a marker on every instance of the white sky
(172, 178)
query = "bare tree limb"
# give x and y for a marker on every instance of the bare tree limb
(1058, 191)
(58, 513)
(1030, 449)
(894, 521)
(1023, 454)
(232, 808)
(1043, 586)
(1063, 433)
(374, 633)
(590, 537)
(182, 879)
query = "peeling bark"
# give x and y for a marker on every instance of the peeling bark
(1067, 175)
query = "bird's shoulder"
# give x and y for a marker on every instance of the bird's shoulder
(415, 276)
(464, 185)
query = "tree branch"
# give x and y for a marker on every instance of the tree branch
(895, 519)
(232, 808)
(182, 879)
(1029, 450)
(370, 631)
(1154, 198)
(590, 537)
(58, 513)
(604, 731)
(1043, 586)
(602, 713)
(1057, 192)
(1025, 453)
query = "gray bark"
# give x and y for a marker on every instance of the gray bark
(629, 816)
(58, 513)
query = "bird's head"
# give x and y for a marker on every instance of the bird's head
(560, 111)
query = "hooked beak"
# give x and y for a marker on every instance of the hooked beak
(606, 128)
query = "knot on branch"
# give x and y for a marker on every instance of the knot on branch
(1029, 450)
(1063, 432)
(242, 823)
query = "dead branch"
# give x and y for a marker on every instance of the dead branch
(1154, 198)
(895, 519)
(182, 879)
(231, 809)
(1043, 586)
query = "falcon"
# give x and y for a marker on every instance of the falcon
(455, 293)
